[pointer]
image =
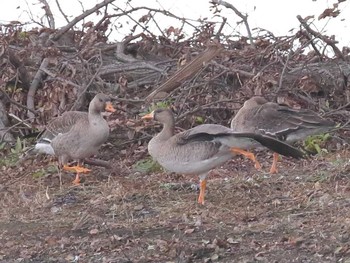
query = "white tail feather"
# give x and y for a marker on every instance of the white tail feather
(43, 147)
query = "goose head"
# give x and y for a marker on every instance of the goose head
(254, 102)
(164, 116)
(101, 102)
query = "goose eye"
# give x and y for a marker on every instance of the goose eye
(101, 100)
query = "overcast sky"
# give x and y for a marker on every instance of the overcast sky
(276, 16)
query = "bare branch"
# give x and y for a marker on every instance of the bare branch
(5, 136)
(98, 162)
(48, 72)
(187, 71)
(164, 12)
(325, 39)
(61, 11)
(120, 48)
(155, 22)
(233, 70)
(7, 130)
(238, 13)
(64, 29)
(34, 86)
(145, 29)
(83, 91)
(31, 16)
(48, 14)
(15, 102)
(21, 69)
(221, 28)
(103, 19)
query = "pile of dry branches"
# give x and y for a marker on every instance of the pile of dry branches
(205, 77)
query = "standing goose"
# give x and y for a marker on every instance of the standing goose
(76, 135)
(260, 116)
(200, 149)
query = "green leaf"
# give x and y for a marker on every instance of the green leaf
(52, 169)
(2, 145)
(159, 105)
(18, 146)
(199, 119)
(146, 166)
(315, 143)
(317, 148)
(39, 173)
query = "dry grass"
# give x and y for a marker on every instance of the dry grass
(299, 215)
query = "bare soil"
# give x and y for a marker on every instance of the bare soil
(301, 214)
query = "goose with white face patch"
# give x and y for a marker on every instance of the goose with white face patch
(76, 135)
(202, 148)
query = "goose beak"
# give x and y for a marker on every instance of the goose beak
(109, 107)
(148, 116)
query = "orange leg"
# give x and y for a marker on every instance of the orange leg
(203, 185)
(78, 169)
(247, 154)
(274, 169)
(76, 180)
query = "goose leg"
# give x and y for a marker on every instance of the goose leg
(274, 169)
(203, 185)
(78, 169)
(247, 154)
(76, 181)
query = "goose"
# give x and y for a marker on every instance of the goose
(204, 147)
(76, 135)
(281, 122)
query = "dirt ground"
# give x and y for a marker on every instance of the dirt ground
(118, 215)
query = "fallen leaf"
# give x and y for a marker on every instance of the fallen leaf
(189, 231)
(9, 244)
(93, 231)
(276, 202)
(162, 244)
(206, 241)
(150, 247)
(116, 237)
(50, 240)
(138, 207)
(131, 134)
(214, 257)
(230, 240)
(317, 186)
(130, 123)
(259, 256)
(296, 241)
(198, 221)
(338, 250)
(70, 257)
(185, 218)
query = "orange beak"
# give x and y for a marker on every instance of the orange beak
(148, 116)
(109, 107)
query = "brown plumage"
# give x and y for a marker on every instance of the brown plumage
(202, 148)
(76, 135)
(260, 116)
